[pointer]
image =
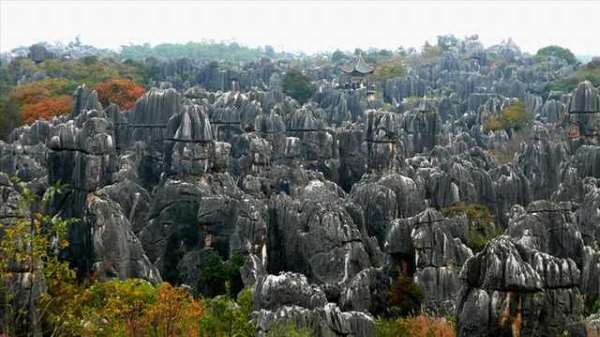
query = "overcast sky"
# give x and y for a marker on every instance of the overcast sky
(303, 25)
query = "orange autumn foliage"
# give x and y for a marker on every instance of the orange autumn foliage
(42, 99)
(46, 108)
(122, 92)
(175, 313)
(423, 326)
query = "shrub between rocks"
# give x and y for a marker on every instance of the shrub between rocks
(416, 326)
(481, 224)
(513, 117)
(405, 297)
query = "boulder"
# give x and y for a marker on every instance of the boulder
(509, 289)
(116, 249)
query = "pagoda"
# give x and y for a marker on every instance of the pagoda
(357, 71)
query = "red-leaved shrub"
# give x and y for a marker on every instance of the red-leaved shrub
(122, 92)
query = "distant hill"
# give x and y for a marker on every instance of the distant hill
(584, 58)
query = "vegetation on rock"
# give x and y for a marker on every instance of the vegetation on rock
(482, 228)
(514, 116)
(40, 90)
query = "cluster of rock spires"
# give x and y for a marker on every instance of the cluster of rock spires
(329, 201)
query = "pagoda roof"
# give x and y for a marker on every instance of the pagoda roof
(358, 67)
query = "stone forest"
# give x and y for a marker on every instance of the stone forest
(447, 191)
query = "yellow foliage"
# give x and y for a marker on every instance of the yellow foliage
(494, 123)
(174, 314)
(513, 116)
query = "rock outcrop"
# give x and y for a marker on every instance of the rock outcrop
(509, 289)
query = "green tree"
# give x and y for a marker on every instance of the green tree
(228, 318)
(218, 277)
(338, 56)
(516, 116)
(391, 68)
(298, 86)
(555, 51)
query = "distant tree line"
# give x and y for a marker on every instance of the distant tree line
(228, 52)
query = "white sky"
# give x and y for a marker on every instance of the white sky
(303, 25)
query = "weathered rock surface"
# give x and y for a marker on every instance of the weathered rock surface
(288, 298)
(430, 248)
(514, 290)
(117, 250)
(315, 233)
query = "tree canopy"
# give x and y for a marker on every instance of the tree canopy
(42, 99)
(556, 51)
(513, 116)
(392, 68)
(298, 86)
